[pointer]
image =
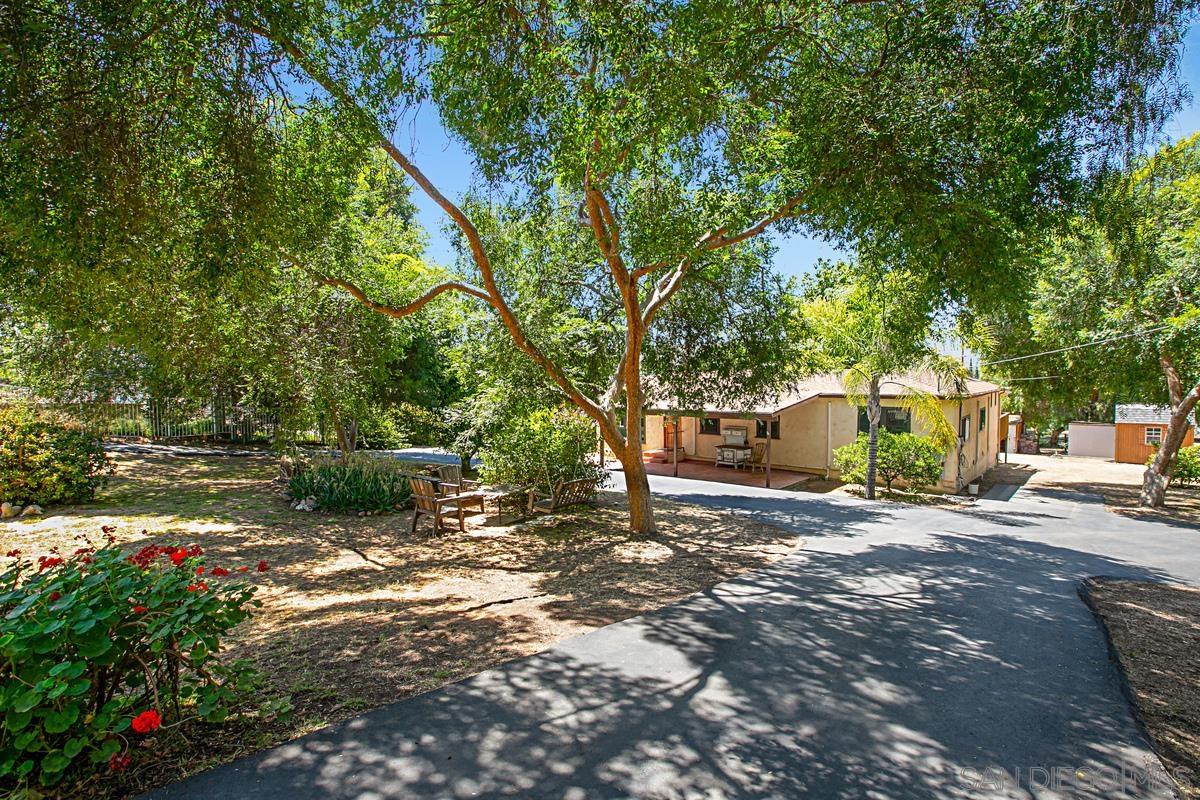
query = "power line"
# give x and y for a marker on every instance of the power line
(1078, 346)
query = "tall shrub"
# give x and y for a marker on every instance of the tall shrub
(45, 457)
(541, 449)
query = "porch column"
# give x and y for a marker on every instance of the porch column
(675, 449)
(769, 421)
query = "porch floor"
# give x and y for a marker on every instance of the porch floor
(707, 471)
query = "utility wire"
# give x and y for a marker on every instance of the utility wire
(1078, 346)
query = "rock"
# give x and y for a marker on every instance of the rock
(8, 511)
(31, 510)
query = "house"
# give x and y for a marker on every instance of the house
(808, 423)
(1140, 429)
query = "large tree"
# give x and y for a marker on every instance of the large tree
(678, 131)
(1115, 313)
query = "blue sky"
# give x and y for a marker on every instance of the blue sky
(444, 161)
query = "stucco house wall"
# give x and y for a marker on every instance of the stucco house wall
(810, 431)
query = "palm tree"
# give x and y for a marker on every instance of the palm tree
(876, 330)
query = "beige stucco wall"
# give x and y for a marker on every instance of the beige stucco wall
(811, 431)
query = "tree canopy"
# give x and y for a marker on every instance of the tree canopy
(945, 135)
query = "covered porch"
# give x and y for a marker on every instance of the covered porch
(705, 470)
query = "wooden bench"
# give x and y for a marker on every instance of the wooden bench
(427, 503)
(566, 493)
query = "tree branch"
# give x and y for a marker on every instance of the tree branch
(478, 252)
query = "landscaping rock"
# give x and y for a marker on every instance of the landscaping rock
(7, 510)
(32, 510)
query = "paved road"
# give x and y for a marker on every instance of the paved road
(903, 653)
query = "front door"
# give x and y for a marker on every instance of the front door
(670, 432)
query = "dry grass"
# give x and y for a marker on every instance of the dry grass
(1155, 629)
(359, 612)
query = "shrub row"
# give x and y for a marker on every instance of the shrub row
(361, 483)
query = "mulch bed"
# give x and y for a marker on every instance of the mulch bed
(361, 612)
(1154, 630)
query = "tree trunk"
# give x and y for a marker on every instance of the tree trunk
(1158, 474)
(637, 489)
(874, 412)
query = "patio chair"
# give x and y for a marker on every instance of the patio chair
(758, 458)
(566, 493)
(452, 484)
(427, 503)
(452, 480)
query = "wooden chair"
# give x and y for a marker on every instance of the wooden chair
(427, 503)
(566, 493)
(453, 481)
(451, 484)
(758, 457)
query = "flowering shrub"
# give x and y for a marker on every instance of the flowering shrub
(46, 457)
(99, 649)
(362, 483)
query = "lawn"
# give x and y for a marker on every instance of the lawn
(359, 612)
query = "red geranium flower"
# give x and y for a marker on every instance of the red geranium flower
(54, 596)
(146, 722)
(140, 609)
(119, 762)
(199, 570)
(243, 569)
(177, 556)
(13, 554)
(262, 566)
(219, 572)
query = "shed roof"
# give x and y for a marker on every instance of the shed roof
(1145, 414)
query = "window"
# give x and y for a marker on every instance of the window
(1154, 435)
(964, 431)
(893, 420)
(983, 419)
(760, 429)
(710, 426)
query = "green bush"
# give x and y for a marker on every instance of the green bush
(362, 483)
(541, 449)
(1187, 466)
(901, 456)
(47, 458)
(100, 648)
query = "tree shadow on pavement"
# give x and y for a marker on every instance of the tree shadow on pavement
(904, 670)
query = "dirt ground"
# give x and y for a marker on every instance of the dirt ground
(359, 612)
(1119, 484)
(1155, 629)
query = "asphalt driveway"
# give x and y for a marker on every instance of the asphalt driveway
(904, 652)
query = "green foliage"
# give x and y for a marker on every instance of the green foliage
(902, 456)
(541, 449)
(46, 458)
(360, 483)
(1187, 466)
(93, 640)
(1131, 264)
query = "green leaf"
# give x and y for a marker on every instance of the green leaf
(59, 721)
